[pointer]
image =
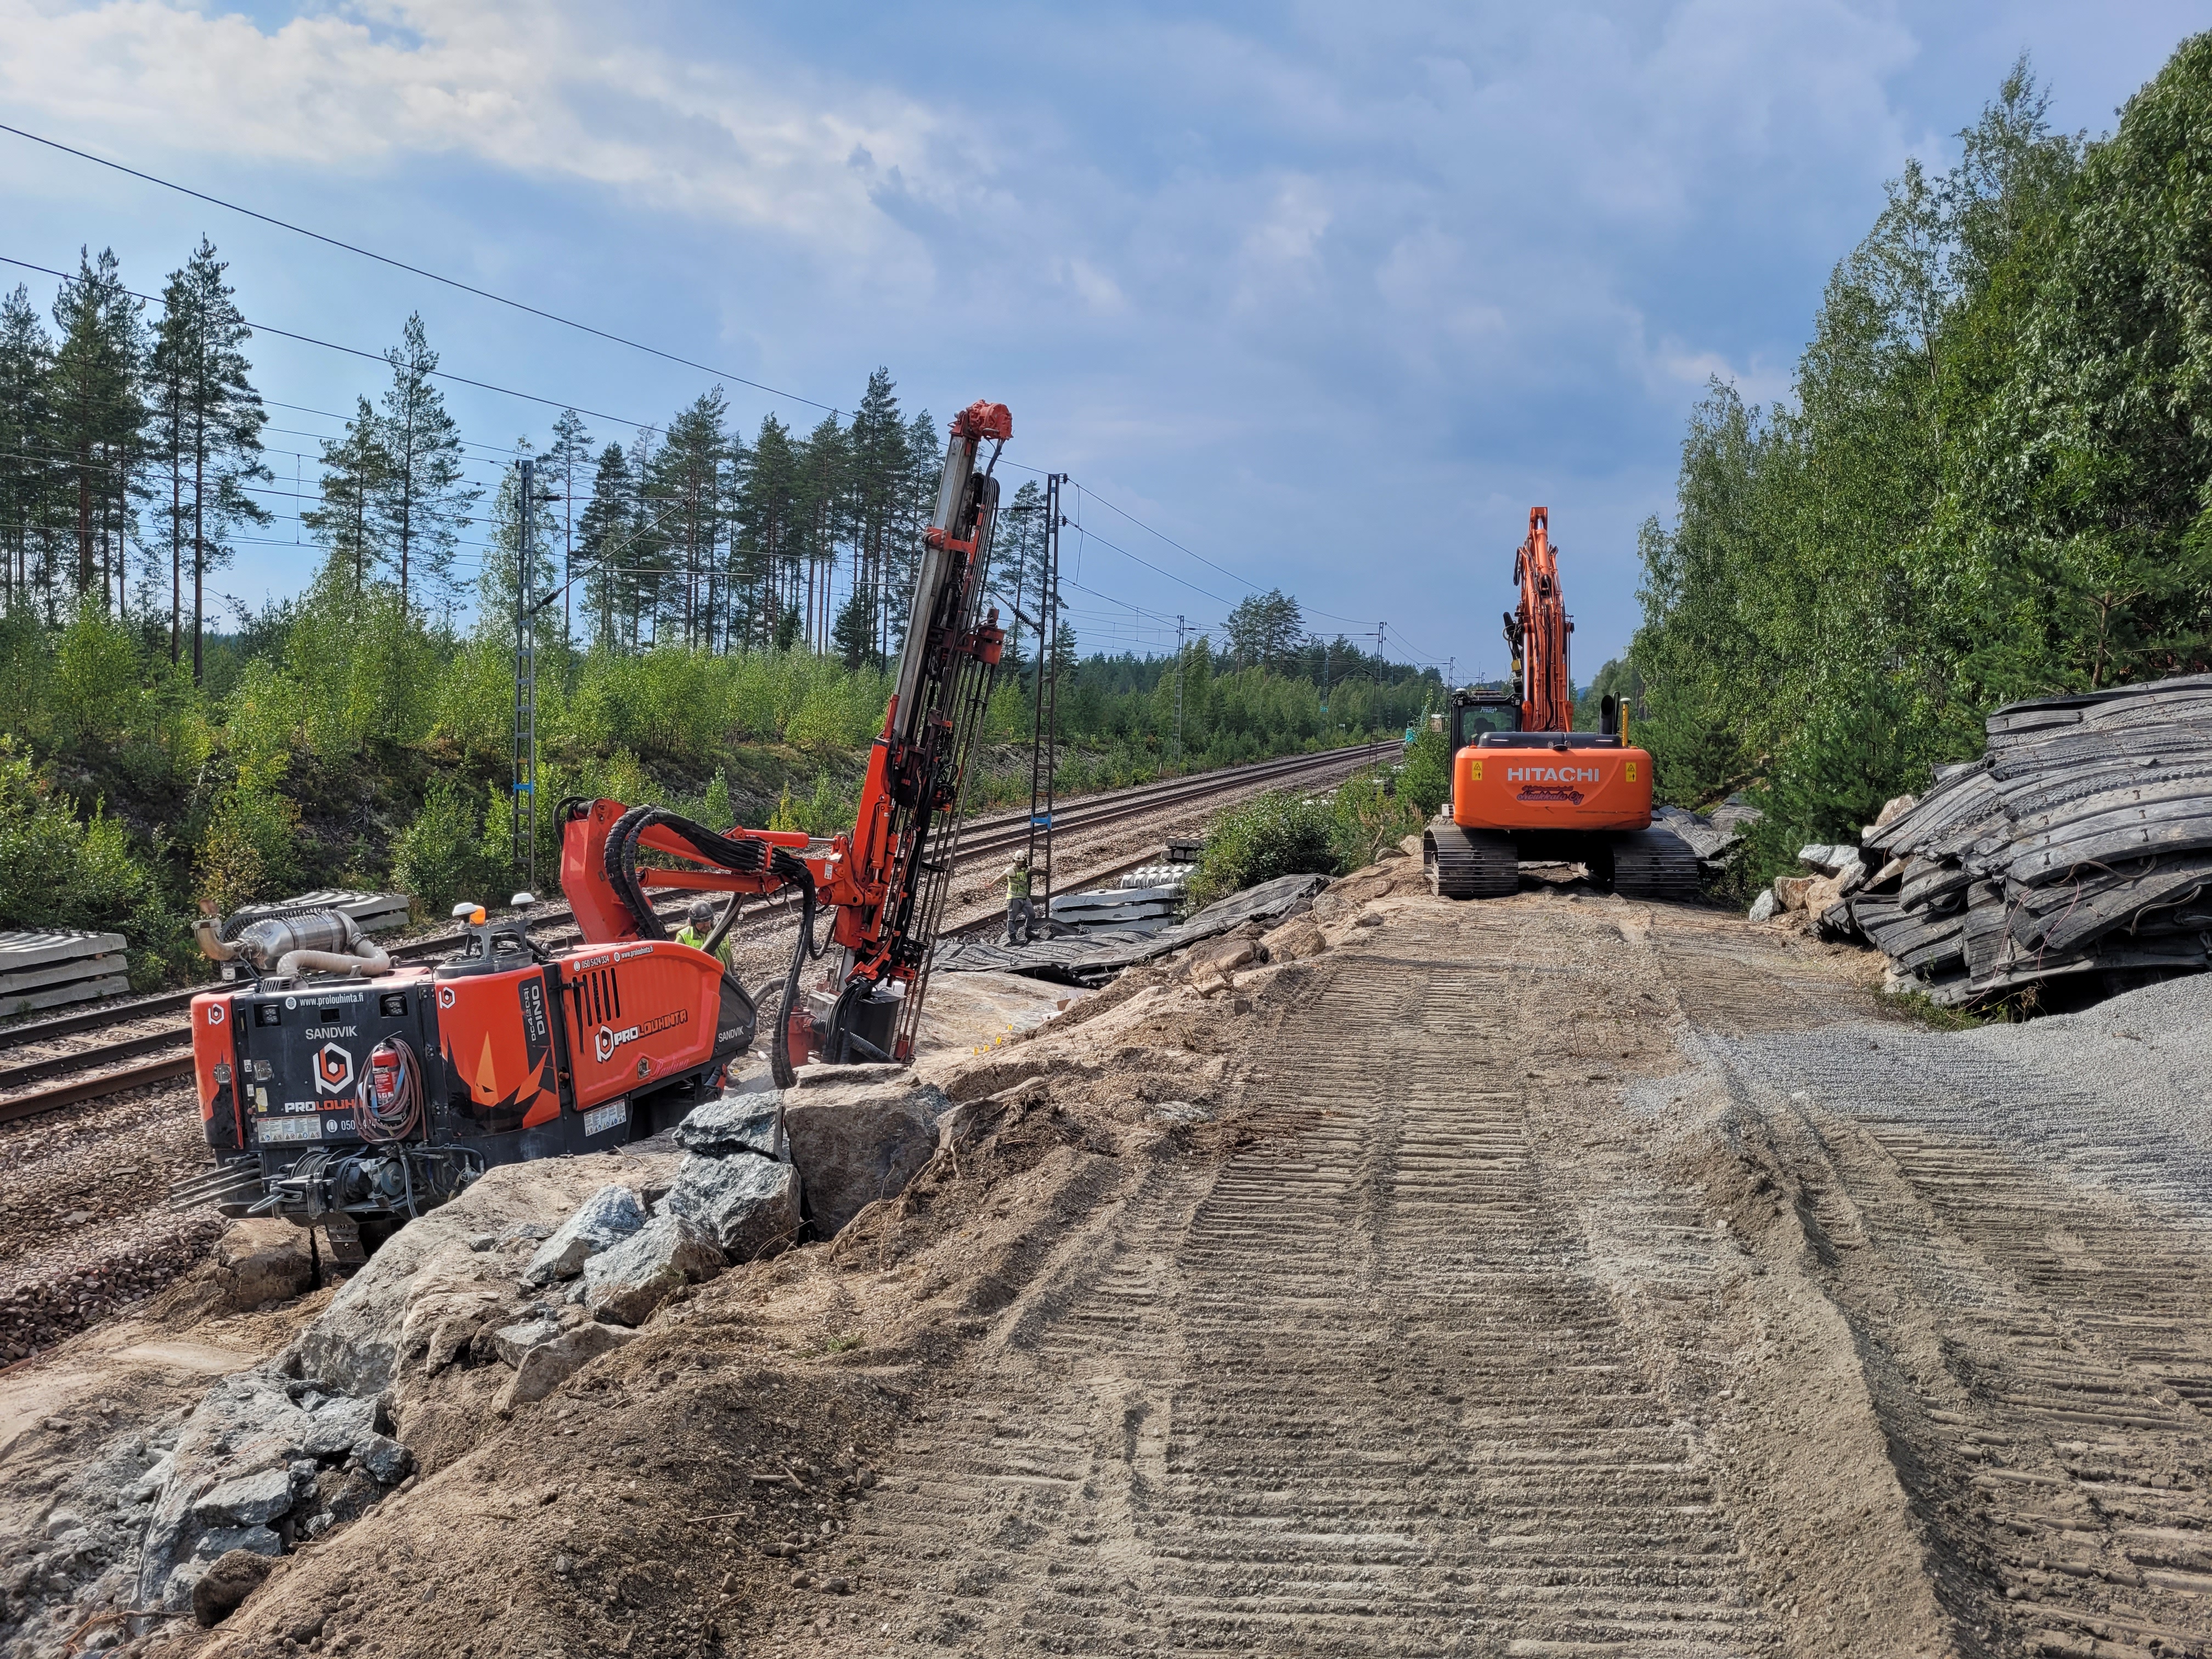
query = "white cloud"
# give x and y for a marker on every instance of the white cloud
(555, 96)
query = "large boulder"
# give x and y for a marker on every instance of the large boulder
(602, 1221)
(750, 1122)
(1828, 860)
(258, 1261)
(858, 1142)
(748, 1206)
(431, 1271)
(628, 1283)
(549, 1365)
(511, 1342)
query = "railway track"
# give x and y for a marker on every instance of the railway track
(158, 1052)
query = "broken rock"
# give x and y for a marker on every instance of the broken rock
(1763, 907)
(549, 1365)
(628, 1283)
(258, 1262)
(854, 1144)
(747, 1205)
(603, 1220)
(511, 1342)
(1789, 891)
(1828, 860)
(248, 1500)
(750, 1122)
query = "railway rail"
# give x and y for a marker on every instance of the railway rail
(51, 1082)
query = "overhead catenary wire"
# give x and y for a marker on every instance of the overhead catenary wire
(418, 271)
(357, 351)
(642, 426)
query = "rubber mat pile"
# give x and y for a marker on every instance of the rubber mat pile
(2080, 843)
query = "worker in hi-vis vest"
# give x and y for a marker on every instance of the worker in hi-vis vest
(1020, 913)
(695, 931)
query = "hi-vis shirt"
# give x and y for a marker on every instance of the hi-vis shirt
(1017, 881)
(698, 941)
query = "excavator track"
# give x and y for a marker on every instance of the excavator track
(1464, 866)
(1654, 864)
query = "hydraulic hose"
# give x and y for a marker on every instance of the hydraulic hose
(744, 857)
(803, 950)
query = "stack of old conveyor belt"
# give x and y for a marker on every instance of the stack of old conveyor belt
(2080, 844)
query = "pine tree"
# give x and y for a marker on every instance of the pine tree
(1017, 564)
(356, 469)
(877, 444)
(853, 638)
(767, 530)
(27, 471)
(495, 586)
(567, 460)
(1265, 629)
(603, 529)
(212, 418)
(645, 559)
(425, 501)
(684, 490)
(97, 414)
(821, 465)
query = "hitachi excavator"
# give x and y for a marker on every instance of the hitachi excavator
(1526, 785)
(339, 1090)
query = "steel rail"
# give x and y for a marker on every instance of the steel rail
(1007, 830)
(1106, 805)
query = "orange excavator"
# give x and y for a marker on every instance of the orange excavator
(1526, 785)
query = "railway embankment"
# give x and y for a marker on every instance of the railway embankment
(1398, 1277)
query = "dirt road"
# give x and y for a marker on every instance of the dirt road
(1546, 1276)
(1534, 1316)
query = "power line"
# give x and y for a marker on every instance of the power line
(582, 327)
(401, 264)
(355, 351)
(550, 403)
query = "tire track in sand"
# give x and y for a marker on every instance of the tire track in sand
(1362, 1391)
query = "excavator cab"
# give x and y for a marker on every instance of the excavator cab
(1479, 710)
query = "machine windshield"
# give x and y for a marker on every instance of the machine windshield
(1470, 720)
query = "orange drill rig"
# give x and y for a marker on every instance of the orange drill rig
(1526, 785)
(338, 1089)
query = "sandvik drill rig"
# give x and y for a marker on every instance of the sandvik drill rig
(338, 1089)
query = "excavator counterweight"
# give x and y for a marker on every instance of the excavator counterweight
(1526, 785)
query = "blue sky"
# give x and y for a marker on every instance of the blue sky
(1329, 295)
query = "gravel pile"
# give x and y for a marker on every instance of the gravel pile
(84, 1227)
(2080, 844)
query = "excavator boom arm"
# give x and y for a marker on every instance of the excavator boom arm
(1538, 632)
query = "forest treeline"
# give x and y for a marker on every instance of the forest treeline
(722, 648)
(1994, 480)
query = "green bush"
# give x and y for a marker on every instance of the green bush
(1277, 834)
(1371, 811)
(1426, 777)
(58, 869)
(439, 857)
(250, 848)
(95, 681)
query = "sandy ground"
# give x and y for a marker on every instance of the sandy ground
(1548, 1276)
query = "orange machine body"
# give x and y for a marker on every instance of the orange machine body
(1514, 787)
